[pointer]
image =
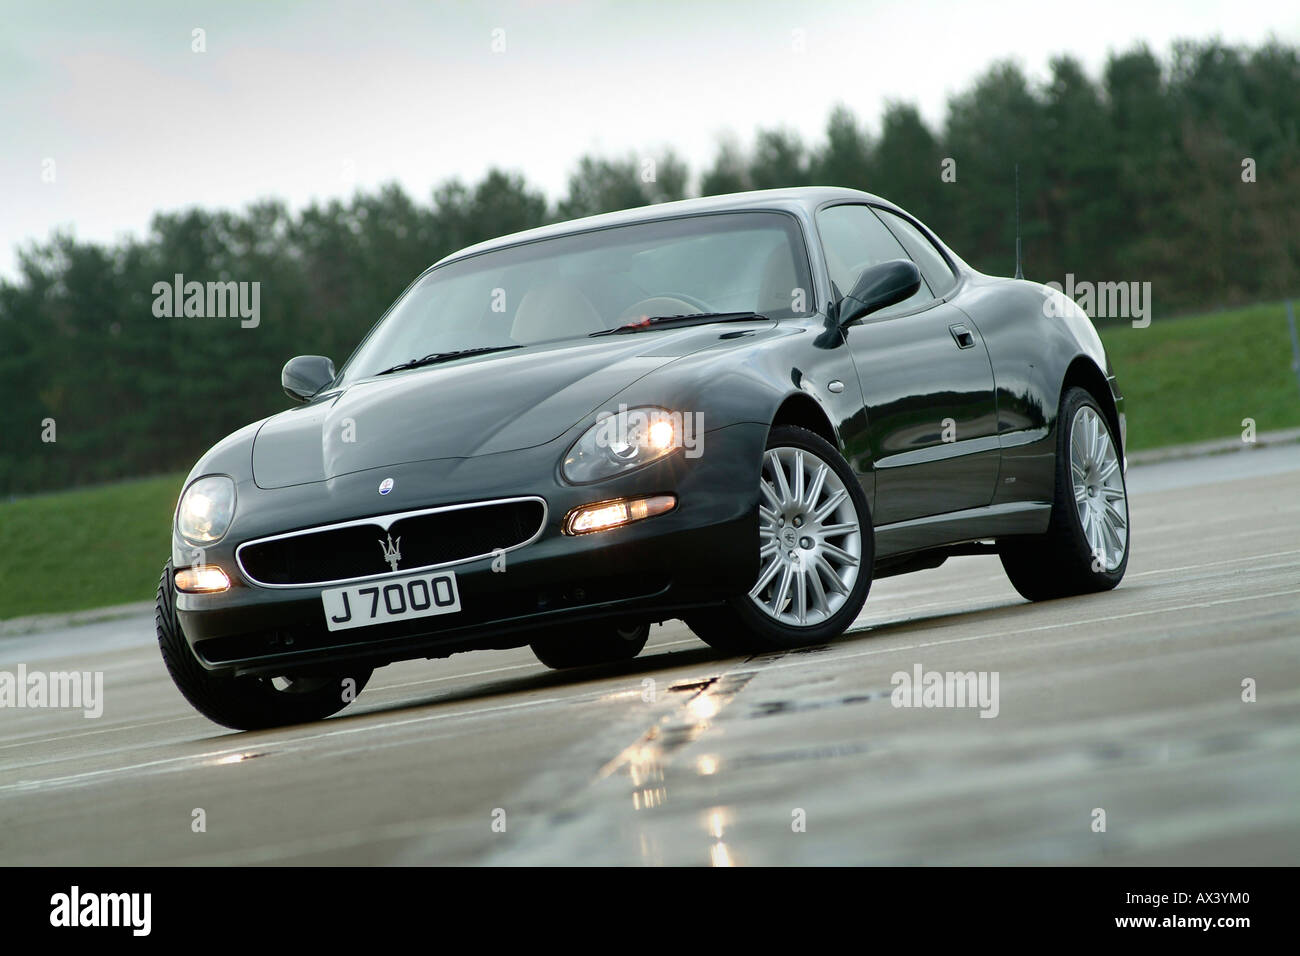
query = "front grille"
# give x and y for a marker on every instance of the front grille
(357, 549)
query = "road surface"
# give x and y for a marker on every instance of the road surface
(1124, 709)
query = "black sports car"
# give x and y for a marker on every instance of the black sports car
(737, 411)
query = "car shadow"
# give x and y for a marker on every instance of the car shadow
(572, 678)
(659, 660)
(664, 659)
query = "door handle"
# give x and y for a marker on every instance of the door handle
(963, 336)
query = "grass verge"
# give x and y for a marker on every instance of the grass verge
(1196, 378)
(85, 548)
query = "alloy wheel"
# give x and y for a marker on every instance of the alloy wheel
(1099, 494)
(810, 539)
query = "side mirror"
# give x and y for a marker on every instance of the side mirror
(878, 287)
(305, 375)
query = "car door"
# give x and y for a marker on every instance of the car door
(926, 380)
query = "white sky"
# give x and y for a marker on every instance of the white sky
(306, 101)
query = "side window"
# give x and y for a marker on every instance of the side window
(928, 259)
(853, 240)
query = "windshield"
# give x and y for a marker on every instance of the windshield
(571, 286)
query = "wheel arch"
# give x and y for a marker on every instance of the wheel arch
(1084, 373)
(802, 410)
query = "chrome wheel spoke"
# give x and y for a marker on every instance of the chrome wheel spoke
(1094, 537)
(1108, 467)
(836, 499)
(1110, 533)
(801, 596)
(833, 579)
(782, 483)
(817, 590)
(1113, 518)
(815, 489)
(839, 554)
(829, 530)
(1078, 449)
(783, 591)
(765, 578)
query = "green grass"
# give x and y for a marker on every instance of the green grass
(1195, 378)
(86, 548)
(1188, 379)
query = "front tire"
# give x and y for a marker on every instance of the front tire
(816, 549)
(586, 645)
(246, 703)
(1085, 548)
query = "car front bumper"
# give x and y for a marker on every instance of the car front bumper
(698, 554)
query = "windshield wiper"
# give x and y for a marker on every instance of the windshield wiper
(698, 318)
(433, 358)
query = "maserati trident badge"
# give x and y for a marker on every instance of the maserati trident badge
(392, 551)
(386, 486)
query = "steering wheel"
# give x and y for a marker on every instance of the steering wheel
(670, 303)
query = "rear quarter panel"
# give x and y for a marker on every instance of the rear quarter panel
(1033, 334)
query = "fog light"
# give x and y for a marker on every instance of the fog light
(604, 515)
(204, 579)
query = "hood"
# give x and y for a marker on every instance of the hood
(474, 406)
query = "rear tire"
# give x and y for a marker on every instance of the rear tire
(1085, 548)
(586, 645)
(246, 703)
(816, 550)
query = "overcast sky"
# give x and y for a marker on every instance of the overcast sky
(306, 100)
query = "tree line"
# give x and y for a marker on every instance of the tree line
(1182, 170)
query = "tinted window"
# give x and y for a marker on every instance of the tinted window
(854, 240)
(929, 259)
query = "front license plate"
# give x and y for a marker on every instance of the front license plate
(394, 599)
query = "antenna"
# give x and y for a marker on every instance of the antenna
(1019, 274)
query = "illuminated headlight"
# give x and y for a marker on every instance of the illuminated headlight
(204, 579)
(612, 514)
(621, 442)
(206, 509)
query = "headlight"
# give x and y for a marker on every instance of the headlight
(622, 442)
(206, 509)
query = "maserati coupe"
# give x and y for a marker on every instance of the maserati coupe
(735, 411)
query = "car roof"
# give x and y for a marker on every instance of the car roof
(794, 199)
